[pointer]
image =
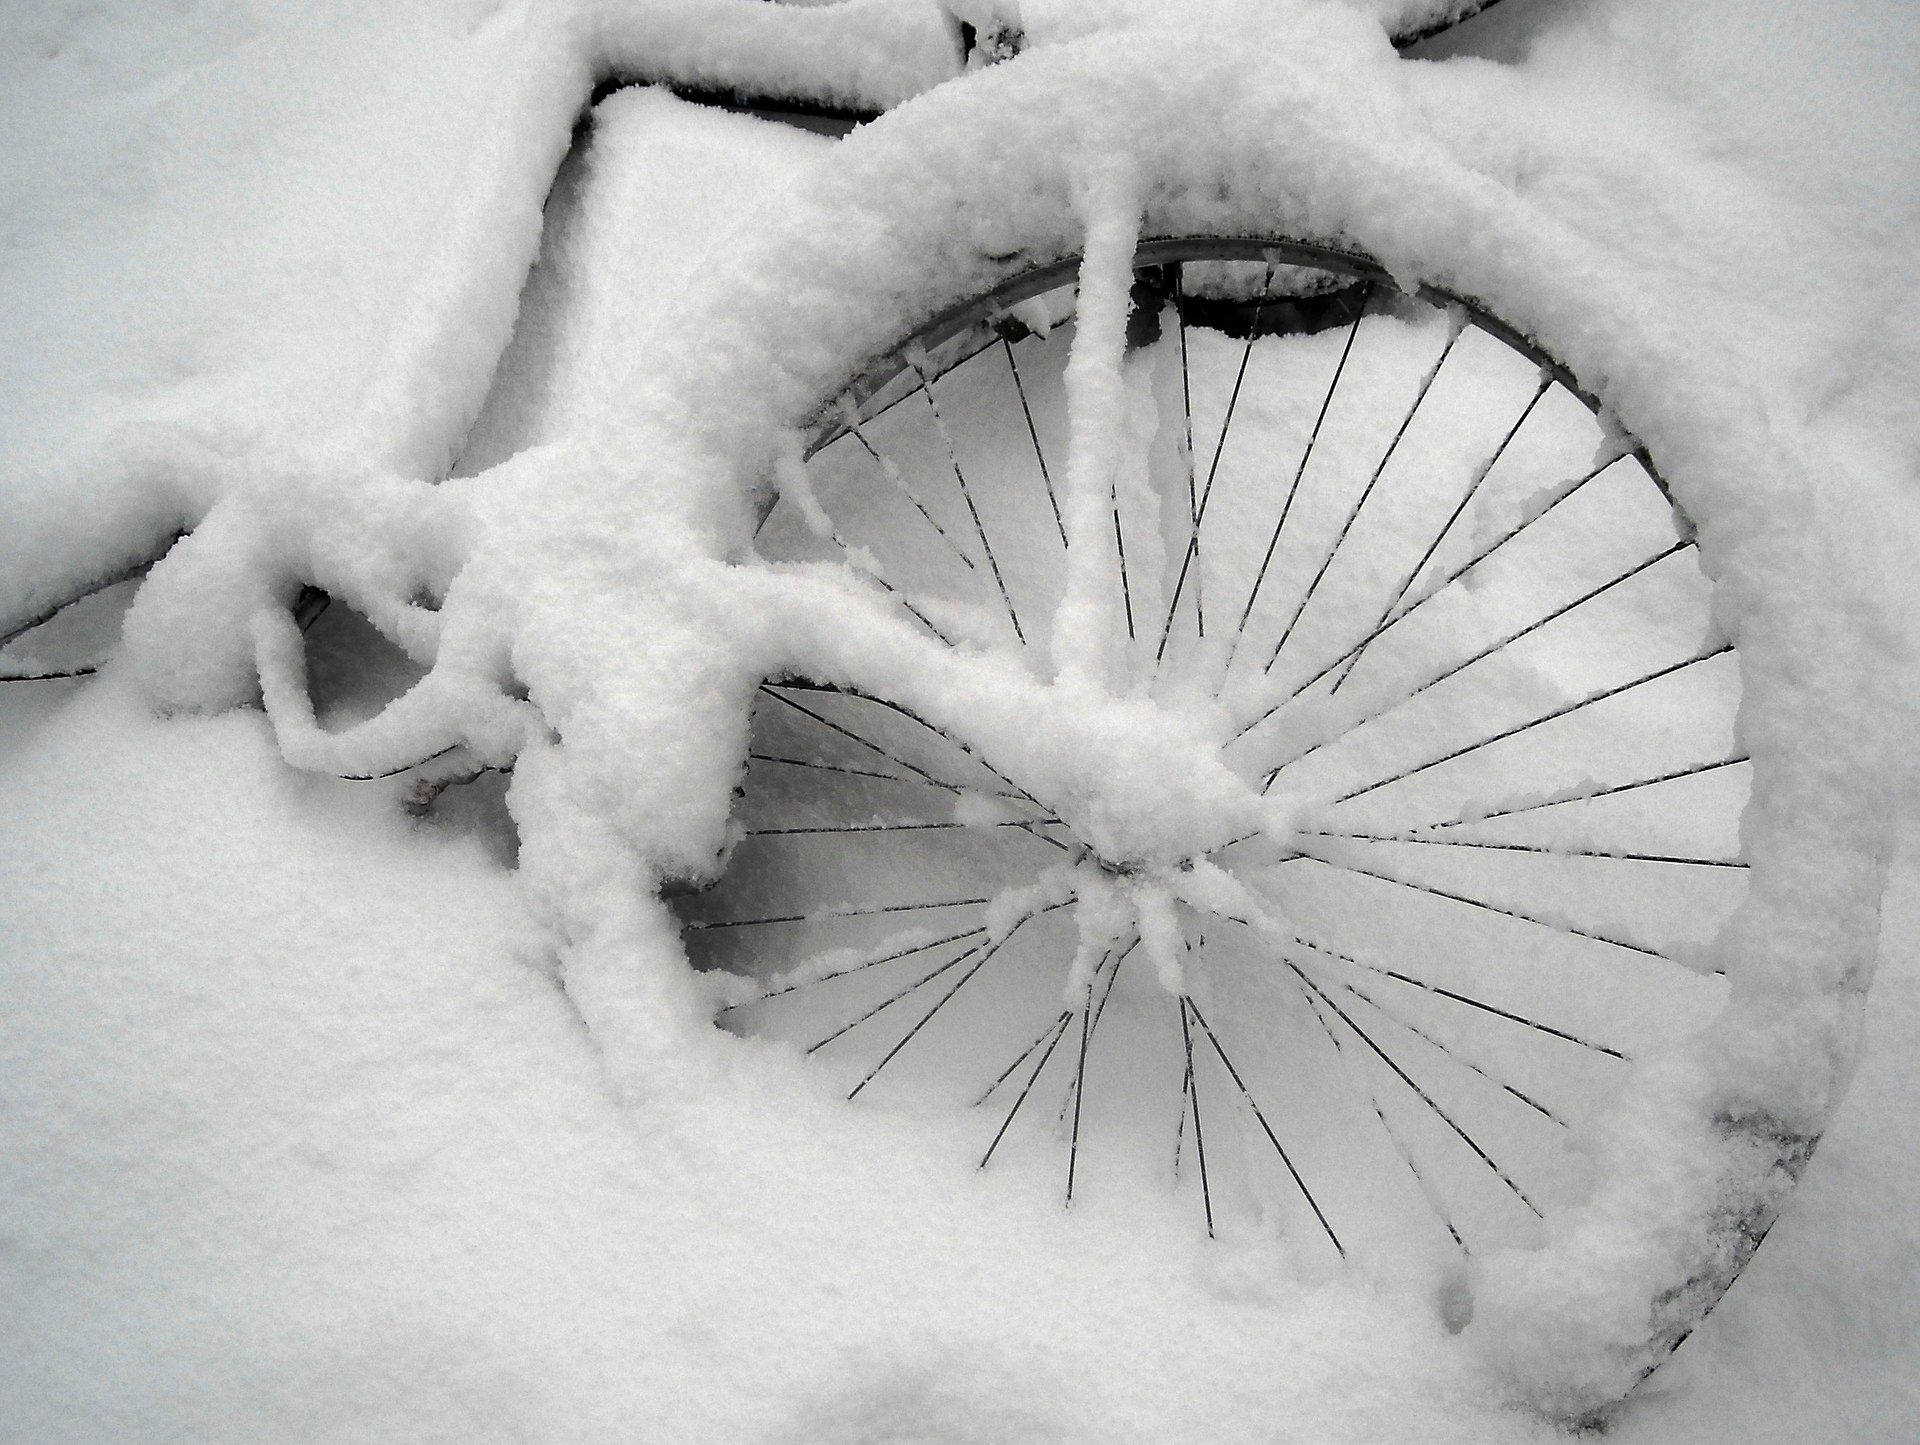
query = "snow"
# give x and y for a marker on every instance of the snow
(1102, 409)
(322, 1125)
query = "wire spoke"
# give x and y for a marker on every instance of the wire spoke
(1473, 489)
(1425, 1098)
(1488, 651)
(49, 676)
(1233, 401)
(850, 735)
(1071, 1101)
(1688, 772)
(966, 493)
(1019, 1059)
(697, 923)
(984, 957)
(1079, 1092)
(1300, 471)
(835, 768)
(1112, 979)
(860, 569)
(1366, 492)
(1427, 1191)
(1030, 827)
(849, 404)
(1537, 848)
(1482, 903)
(895, 998)
(885, 586)
(1180, 1124)
(851, 969)
(1193, 492)
(1193, 1100)
(1058, 1029)
(1455, 1054)
(1033, 434)
(1213, 470)
(1460, 998)
(913, 717)
(1390, 618)
(1588, 701)
(1266, 1128)
(912, 611)
(891, 472)
(832, 828)
(1426, 385)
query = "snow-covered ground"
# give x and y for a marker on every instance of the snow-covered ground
(299, 1139)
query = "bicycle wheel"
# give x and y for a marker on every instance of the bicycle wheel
(1386, 570)
(1393, 864)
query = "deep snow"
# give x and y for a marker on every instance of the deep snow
(302, 1140)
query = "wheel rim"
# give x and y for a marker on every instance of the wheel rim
(1387, 567)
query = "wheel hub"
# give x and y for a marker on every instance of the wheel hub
(1141, 787)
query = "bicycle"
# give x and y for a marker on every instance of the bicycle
(896, 653)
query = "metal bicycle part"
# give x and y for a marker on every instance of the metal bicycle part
(1386, 568)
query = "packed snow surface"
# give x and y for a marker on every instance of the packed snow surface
(329, 1121)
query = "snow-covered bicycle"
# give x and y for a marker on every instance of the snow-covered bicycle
(1162, 610)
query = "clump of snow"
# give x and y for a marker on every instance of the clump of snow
(1085, 632)
(141, 410)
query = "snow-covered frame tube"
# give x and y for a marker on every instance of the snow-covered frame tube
(976, 182)
(155, 481)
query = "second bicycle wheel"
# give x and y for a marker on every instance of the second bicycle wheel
(1394, 830)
